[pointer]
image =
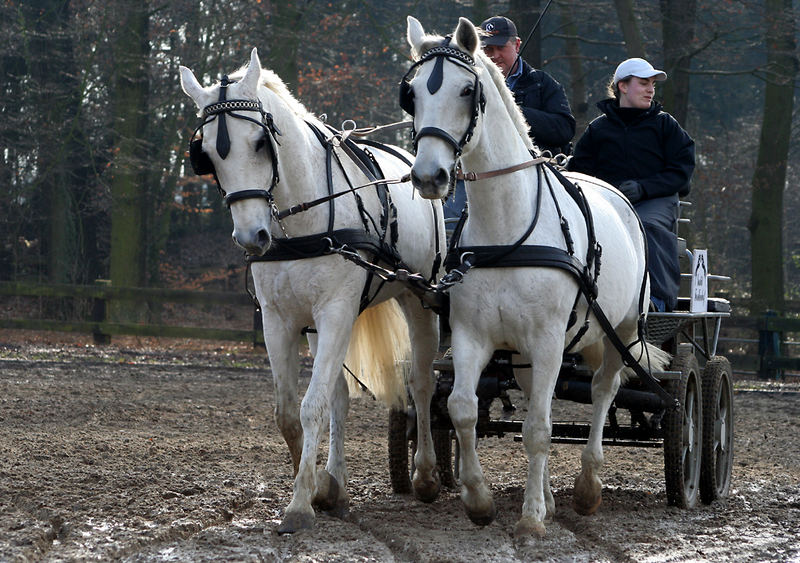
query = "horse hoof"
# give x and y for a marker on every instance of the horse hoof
(326, 496)
(483, 518)
(587, 495)
(296, 521)
(528, 527)
(427, 491)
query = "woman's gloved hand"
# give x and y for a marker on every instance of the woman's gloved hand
(632, 190)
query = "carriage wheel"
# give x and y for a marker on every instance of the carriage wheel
(683, 433)
(443, 439)
(403, 446)
(715, 471)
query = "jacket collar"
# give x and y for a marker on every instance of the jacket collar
(609, 106)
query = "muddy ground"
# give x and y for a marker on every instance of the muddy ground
(166, 451)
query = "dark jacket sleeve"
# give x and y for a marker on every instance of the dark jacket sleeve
(552, 123)
(676, 174)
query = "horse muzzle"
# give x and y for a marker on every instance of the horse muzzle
(255, 242)
(432, 182)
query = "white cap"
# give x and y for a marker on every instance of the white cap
(639, 68)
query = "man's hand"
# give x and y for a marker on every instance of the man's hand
(632, 190)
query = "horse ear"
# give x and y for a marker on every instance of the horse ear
(466, 36)
(191, 86)
(252, 76)
(414, 33)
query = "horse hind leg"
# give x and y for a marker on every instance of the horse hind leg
(424, 336)
(587, 493)
(331, 494)
(284, 362)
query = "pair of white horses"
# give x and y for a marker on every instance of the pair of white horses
(523, 309)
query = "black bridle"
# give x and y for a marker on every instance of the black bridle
(219, 110)
(441, 53)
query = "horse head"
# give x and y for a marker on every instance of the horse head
(238, 145)
(456, 93)
(446, 100)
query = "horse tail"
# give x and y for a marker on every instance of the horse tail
(659, 360)
(379, 354)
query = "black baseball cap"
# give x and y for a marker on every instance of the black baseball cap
(497, 30)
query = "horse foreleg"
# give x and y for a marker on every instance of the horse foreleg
(536, 430)
(331, 348)
(587, 494)
(424, 336)
(462, 405)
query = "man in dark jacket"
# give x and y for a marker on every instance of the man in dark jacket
(541, 98)
(646, 154)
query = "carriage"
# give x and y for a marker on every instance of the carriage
(266, 151)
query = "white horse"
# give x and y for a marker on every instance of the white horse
(463, 110)
(269, 153)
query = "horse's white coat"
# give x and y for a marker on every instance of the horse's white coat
(323, 292)
(523, 309)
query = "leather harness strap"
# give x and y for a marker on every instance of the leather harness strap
(474, 176)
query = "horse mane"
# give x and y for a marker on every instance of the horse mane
(273, 82)
(520, 123)
(507, 97)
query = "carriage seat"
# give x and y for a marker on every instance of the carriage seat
(714, 304)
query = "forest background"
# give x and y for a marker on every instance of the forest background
(94, 129)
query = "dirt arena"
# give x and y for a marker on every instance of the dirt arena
(166, 451)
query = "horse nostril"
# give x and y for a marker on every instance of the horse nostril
(415, 181)
(442, 177)
(263, 237)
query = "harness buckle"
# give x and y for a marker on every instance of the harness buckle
(348, 126)
(464, 257)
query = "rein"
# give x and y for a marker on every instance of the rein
(300, 207)
(474, 176)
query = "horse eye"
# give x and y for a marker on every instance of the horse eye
(261, 143)
(467, 91)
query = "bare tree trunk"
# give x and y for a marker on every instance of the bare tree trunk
(287, 18)
(524, 13)
(678, 25)
(480, 11)
(578, 100)
(57, 98)
(769, 178)
(630, 29)
(130, 118)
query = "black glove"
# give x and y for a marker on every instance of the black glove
(632, 190)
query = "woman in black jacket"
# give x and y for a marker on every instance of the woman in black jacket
(644, 152)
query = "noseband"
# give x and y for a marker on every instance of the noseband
(220, 110)
(441, 53)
